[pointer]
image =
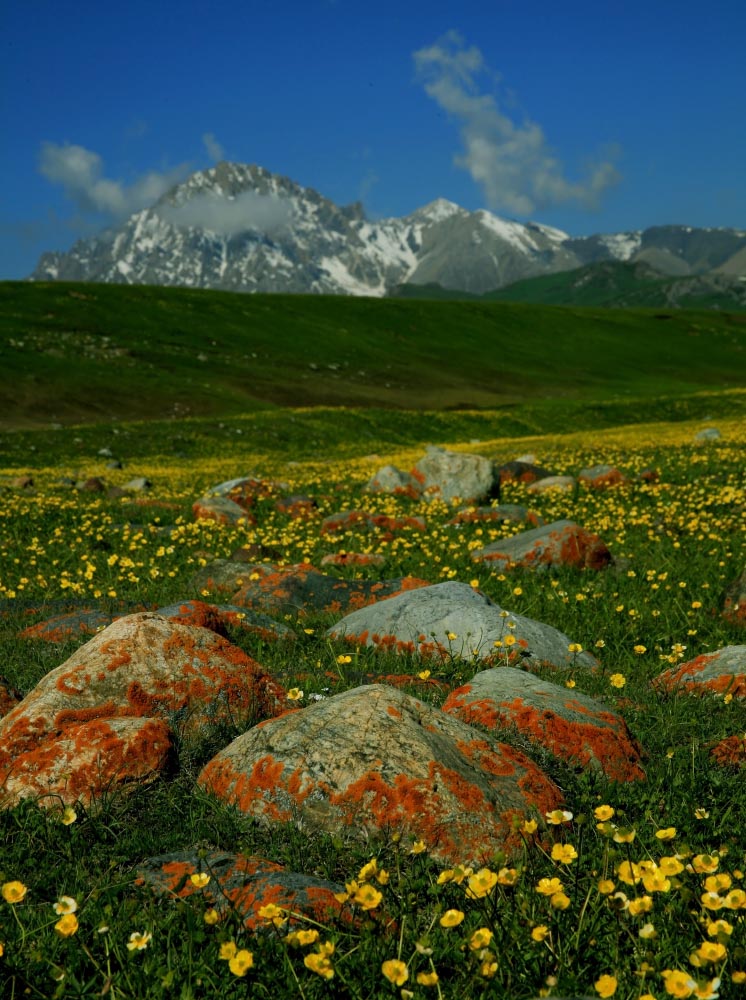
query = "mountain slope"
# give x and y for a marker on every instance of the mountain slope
(82, 352)
(238, 227)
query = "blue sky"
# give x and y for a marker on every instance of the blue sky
(592, 117)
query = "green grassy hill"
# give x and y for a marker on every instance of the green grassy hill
(83, 353)
(611, 284)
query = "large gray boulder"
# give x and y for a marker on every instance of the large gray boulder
(561, 543)
(426, 621)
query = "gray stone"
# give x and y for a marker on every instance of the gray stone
(561, 543)
(422, 620)
(450, 475)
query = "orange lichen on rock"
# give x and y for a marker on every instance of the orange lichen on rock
(721, 672)
(730, 752)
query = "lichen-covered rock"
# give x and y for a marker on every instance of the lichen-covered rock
(353, 559)
(453, 619)
(389, 479)
(561, 543)
(243, 885)
(601, 477)
(9, 697)
(219, 617)
(76, 624)
(723, 672)
(374, 761)
(521, 471)
(449, 475)
(347, 520)
(84, 760)
(571, 725)
(140, 667)
(501, 513)
(302, 589)
(566, 484)
(221, 509)
(224, 576)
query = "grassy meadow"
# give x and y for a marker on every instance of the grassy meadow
(635, 891)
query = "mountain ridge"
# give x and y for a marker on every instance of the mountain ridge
(239, 227)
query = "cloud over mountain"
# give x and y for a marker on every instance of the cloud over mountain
(80, 173)
(512, 162)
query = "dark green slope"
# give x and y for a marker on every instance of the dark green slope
(76, 352)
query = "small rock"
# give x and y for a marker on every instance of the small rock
(561, 543)
(565, 483)
(601, 477)
(722, 672)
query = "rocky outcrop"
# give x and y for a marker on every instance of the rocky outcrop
(375, 761)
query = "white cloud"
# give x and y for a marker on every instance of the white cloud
(212, 146)
(218, 214)
(512, 163)
(80, 172)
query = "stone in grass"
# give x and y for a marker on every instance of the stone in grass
(564, 484)
(374, 760)
(141, 667)
(389, 479)
(722, 672)
(75, 625)
(353, 559)
(601, 477)
(220, 617)
(85, 760)
(561, 543)
(9, 697)
(572, 726)
(448, 475)
(302, 589)
(502, 513)
(221, 509)
(224, 576)
(522, 471)
(242, 885)
(424, 621)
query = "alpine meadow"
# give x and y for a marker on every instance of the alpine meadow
(370, 647)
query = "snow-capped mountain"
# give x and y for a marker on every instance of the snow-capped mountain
(239, 227)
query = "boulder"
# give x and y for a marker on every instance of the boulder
(572, 726)
(561, 543)
(708, 434)
(302, 589)
(521, 471)
(221, 509)
(75, 624)
(85, 760)
(566, 484)
(601, 477)
(219, 617)
(243, 885)
(374, 760)
(423, 621)
(449, 475)
(389, 479)
(142, 667)
(501, 513)
(723, 672)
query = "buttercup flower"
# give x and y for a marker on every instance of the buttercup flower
(481, 883)
(395, 971)
(603, 813)
(481, 938)
(540, 932)
(199, 879)
(451, 918)
(557, 816)
(565, 854)
(68, 816)
(13, 892)
(241, 962)
(617, 680)
(66, 926)
(427, 978)
(605, 986)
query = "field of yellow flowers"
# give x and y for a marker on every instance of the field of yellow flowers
(636, 891)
